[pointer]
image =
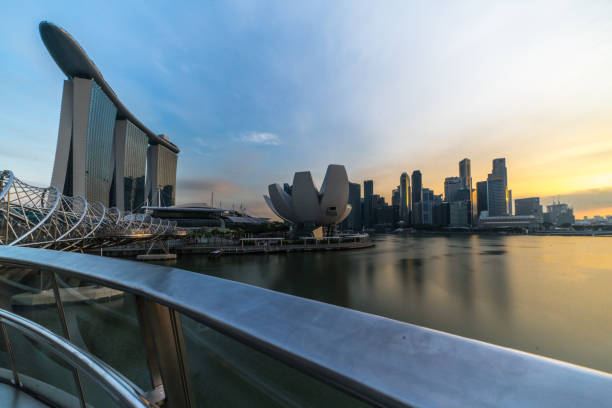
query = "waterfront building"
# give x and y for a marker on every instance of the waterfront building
(128, 184)
(459, 214)
(417, 195)
(427, 206)
(559, 214)
(528, 206)
(395, 196)
(503, 222)
(465, 173)
(417, 213)
(161, 176)
(353, 221)
(451, 187)
(510, 202)
(405, 200)
(368, 188)
(496, 197)
(500, 170)
(481, 197)
(103, 152)
(308, 207)
(385, 215)
(441, 214)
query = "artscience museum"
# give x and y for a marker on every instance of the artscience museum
(303, 205)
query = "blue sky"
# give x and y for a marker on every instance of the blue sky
(252, 91)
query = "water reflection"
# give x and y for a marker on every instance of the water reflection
(546, 295)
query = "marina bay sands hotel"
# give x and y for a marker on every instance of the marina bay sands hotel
(104, 153)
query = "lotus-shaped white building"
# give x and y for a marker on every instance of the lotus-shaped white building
(304, 205)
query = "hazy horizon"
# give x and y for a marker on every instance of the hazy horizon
(253, 91)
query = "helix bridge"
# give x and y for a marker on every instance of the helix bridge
(39, 217)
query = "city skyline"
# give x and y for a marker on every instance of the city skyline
(416, 99)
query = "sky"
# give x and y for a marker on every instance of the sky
(253, 91)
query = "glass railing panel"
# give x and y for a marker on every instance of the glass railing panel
(6, 374)
(104, 322)
(95, 396)
(42, 372)
(226, 373)
(28, 292)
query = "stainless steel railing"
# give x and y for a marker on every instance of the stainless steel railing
(122, 392)
(380, 361)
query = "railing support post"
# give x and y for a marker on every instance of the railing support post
(9, 351)
(163, 337)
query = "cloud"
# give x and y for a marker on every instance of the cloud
(261, 138)
(192, 186)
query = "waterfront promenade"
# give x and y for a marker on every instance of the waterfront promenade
(225, 249)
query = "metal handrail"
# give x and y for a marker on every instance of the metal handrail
(379, 360)
(118, 389)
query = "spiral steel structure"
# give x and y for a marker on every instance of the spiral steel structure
(44, 218)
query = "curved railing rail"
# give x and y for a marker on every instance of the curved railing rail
(44, 218)
(380, 361)
(119, 390)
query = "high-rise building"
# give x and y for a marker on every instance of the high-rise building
(417, 195)
(368, 188)
(353, 221)
(459, 213)
(369, 204)
(465, 173)
(161, 176)
(287, 188)
(510, 202)
(451, 187)
(103, 152)
(427, 204)
(405, 199)
(500, 170)
(496, 197)
(482, 197)
(441, 214)
(130, 148)
(395, 196)
(497, 189)
(528, 206)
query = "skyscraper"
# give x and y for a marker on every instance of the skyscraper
(497, 189)
(465, 173)
(528, 206)
(369, 204)
(427, 204)
(451, 187)
(395, 196)
(353, 221)
(481, 197)
(128, 186)
(405, 203)
(496, 197)
(161, 176)
(368, 188)
(510, 202)
(417, 195)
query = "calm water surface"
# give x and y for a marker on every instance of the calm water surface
(546, 295)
